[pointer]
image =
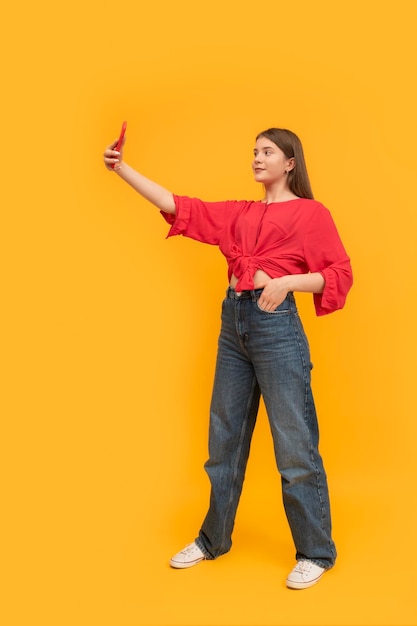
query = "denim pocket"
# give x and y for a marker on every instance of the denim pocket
(282, 309)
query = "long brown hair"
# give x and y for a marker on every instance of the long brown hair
(289, 143)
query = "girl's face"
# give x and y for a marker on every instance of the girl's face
(269, 162)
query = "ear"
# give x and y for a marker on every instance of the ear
(290, 164)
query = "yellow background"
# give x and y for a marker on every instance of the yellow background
(109, 330)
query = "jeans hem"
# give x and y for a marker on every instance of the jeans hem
(323, 564)
(203, 549)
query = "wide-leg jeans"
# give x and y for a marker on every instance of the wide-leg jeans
(265, 353)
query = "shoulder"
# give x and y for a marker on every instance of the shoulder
(239, 206)
(314, 210)
(244, 203)
(314, 206)
(308, 209)
(230, 203)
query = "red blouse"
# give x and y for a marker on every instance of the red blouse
(293, 237)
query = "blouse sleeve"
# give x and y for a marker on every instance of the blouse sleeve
(324, 253)
(203, 221)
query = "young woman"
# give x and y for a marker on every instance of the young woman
(284, 243)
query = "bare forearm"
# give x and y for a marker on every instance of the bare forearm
(276, 289)
(310, 283)
(153, 192)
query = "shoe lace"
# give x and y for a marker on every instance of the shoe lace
(303, 567)
(189, 549)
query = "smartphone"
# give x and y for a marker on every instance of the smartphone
(120, 140)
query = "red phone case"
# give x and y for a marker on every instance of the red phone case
(120, 140)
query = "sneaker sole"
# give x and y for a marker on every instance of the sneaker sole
(295, 585)
(181, 565)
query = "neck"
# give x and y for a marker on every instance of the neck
(278, 193)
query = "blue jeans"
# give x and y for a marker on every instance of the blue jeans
(265, 353)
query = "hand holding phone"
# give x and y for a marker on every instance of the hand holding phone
(120, 140)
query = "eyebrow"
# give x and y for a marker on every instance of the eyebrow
(263, 148)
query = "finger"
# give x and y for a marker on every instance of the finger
(266, 301)
(112, 164)
(111, 147)
(268, 305)
(263, 304)
(111, 154)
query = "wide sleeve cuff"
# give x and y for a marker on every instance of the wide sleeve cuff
(337, 284)
(178, 221)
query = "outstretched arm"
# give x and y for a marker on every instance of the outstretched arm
(154, 193)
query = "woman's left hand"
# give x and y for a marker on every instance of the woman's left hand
(274, 294)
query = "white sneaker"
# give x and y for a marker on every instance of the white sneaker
(191, 555)
(305, 574)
